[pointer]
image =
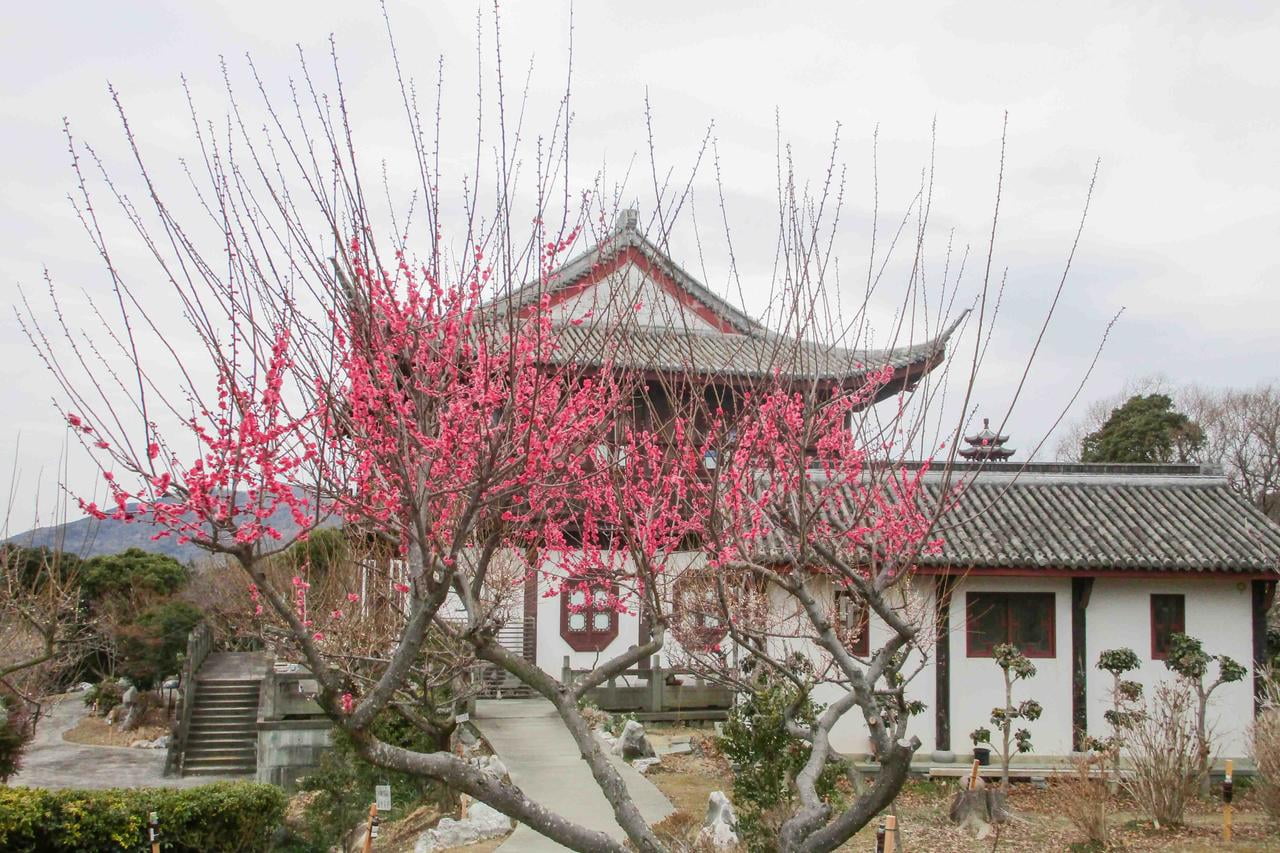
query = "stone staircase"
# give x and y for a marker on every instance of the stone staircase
(222, 736)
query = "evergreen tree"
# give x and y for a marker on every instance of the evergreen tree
(1144, 429)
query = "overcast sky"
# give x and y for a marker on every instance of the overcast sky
(1179, 101)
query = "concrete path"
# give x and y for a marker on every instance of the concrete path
(543, 760)
(51, 762)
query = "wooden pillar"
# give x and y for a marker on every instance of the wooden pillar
(530, 644)
(1264, 593)
(1081, 589)
(942, 663)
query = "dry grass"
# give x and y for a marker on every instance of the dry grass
(95, 731)
(1266, 754)
(1042, 825)
(1084, 798)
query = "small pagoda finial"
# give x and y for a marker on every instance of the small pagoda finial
(986, 446)
(628, 219)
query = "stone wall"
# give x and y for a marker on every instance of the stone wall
(290, 749)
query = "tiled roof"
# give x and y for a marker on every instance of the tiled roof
(1007, 515)
(701, 352)
(754, 351)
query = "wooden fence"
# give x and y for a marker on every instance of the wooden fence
(666, 694)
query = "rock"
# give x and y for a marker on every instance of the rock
(161, 742)
(130, 696)
(82, 687)
(140, 744)
(490, 764)
(675, 747)
(632, 743)
(642, 765)
(480, 823)
(124, 683)
(114, 714)
(719, 828)
(942, 756)
(466, 736)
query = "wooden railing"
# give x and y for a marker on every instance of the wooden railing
(199, 644)
(687, 697)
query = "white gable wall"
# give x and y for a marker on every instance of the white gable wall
(1218, 613)
(977, 683)
(615, 298)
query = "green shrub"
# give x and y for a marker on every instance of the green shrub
(107, 694)
(129, 571)
(766, 758)
(149, 648)
(15, 733)
(225, 817)
(345, 782)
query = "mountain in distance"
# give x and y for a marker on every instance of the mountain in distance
(89, 537)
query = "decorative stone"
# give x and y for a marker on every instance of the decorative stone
(82, 687)
(490, 764)
(676, 746)
(719, 828)
(632, 743)
(942, 756)
(481, 822)
(642, 765)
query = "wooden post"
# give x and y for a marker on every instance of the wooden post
(153, 822)
(890, 834)
(1226, 802)
(973, 774)
(656, 678)
(373, 821)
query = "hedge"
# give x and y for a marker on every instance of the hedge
(224, 816)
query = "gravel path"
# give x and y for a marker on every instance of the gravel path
(51, 762)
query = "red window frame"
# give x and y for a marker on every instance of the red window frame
(1014, 611)
(589, 638)
(850, 606)
(693, 626)
(1168, 617)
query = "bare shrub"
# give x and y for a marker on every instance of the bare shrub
(1084, 799)
(1164, 755)
(1265, 742)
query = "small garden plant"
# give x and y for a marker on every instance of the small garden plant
(1188, 659)
(1016, 667)
(1125, 709)
(766, 758)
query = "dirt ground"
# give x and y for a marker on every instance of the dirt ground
(95, 731)
(687, 780)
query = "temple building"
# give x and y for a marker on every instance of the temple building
(1062, 560)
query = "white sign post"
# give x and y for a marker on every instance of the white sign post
(382, 793)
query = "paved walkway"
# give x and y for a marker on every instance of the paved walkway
(51, 762)
(543, 760)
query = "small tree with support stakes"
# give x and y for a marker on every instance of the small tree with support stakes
(1188, 659)
(1123, 712)
(1016, 667)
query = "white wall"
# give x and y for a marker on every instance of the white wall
(615, 297)
(1218, 612)
(977, 684)
(849, 735)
